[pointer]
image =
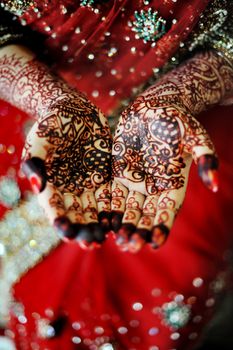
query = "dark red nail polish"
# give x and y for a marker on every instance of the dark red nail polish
(64, 227)
(116, 219)
(97, 232)
(35, 171)
(105, 220)
(159, 235)
(84, 235)
(207, 170)
(58, 325)
(124, 233)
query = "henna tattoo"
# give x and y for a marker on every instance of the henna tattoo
(78, 155)
(74, 133)
(157, 132)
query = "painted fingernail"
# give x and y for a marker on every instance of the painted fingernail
(84, 235)
(105, 220)
(35, 171)
(116, 219)
(159, 235)
(207, 170)
(124, 233)
(138, 240)
(58, 326)
(97, 232)
(64, 227)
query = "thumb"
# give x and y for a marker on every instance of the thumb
(199, 144)
(33, 164)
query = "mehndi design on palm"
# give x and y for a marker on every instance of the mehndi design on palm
(156, 139)
(67, 155)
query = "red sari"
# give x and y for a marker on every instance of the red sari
(153, 299)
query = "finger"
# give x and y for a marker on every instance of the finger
(207, 170)
(198, 142)
(145, 224)
(93, 230)
(52, 201)
(33, 156)
(103, 200)
(134, 205)
(73, 206)
(118, 202)
(168, 206)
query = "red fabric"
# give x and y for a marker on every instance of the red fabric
(75, 66)
(98, 288)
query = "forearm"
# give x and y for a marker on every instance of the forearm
(27, 83)
(199, 83)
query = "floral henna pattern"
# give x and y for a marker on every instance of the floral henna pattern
(158, 136)
(78, 154)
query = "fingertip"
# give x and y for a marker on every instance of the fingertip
(116, 219)
(64, 227)
(98, 233)
(159, 235)
(35, 171)
(124, 233)
(208, 171)
(105, 221)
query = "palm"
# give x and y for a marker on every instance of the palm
(72, 143)
(152, 153)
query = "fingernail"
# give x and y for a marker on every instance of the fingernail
(124, 233)
(64, 227)
(35, 171)
(207, 170)
(58, 325)
(116, 219)
(84, 235)
(159, 235)
(105, 220)
(97, 231)
(138, 239)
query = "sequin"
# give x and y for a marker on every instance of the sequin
(198, 282)
(175, 314)
(148, 25)
(153, 331)
(76, 340)
(122, 330)
(137, 306)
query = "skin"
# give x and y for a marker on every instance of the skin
(67, 153)
(156, 139)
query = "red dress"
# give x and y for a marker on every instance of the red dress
(153, 299)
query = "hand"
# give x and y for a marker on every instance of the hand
(153, 148)
(67, 159)
(68, 150)
(154, 144)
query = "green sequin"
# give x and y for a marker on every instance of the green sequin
(148, 25)
(175, 314)
(87, 2)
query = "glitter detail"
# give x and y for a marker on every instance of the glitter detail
(148, 25)
(175, 314)
(44, 329)
(137, 306)
(9, 192)
(20, 227)
(198, 282)
(17, 7)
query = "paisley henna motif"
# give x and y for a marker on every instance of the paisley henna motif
(158, 136)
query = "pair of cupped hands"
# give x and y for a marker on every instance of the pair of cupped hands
(134, 184)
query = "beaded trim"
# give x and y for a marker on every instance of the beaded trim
(25, 238)
(17, 7)
(215, 29)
